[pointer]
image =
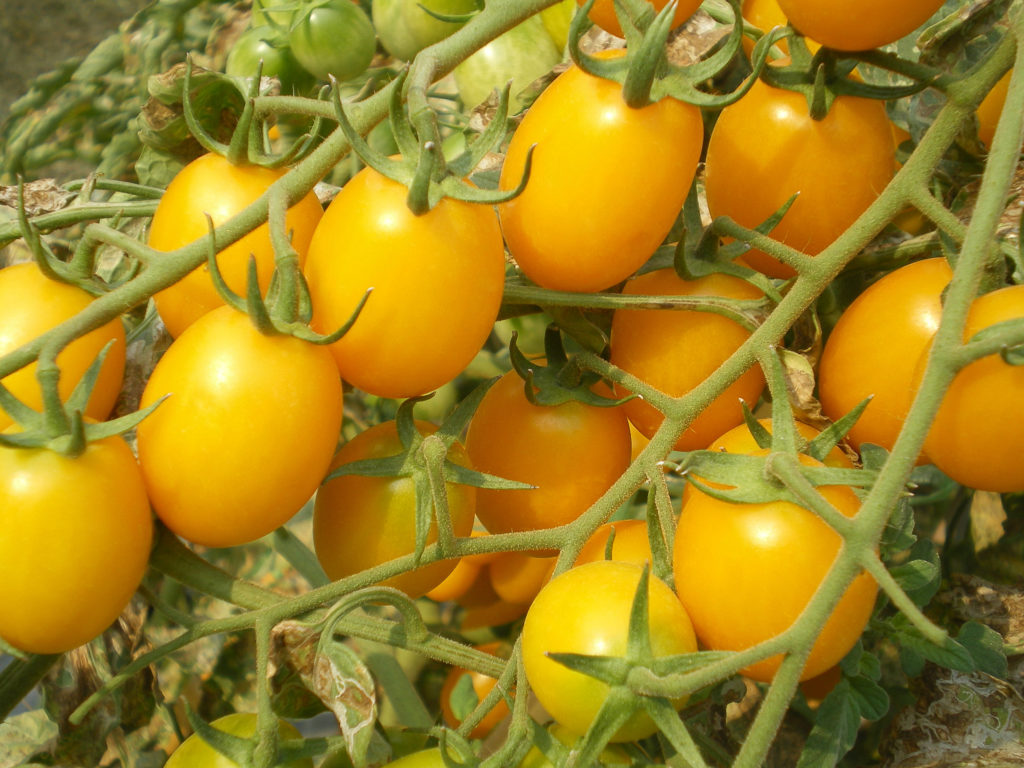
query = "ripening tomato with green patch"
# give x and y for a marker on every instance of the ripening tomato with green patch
(976, 436)
(766, 148)
(75, 535)
(857, 25)
(603, 13)
(246, 433)
(406, 27)
(435, 283)
(360, 521)
(674, 351)
(745, 572)
(212, 186)
(194, 752)
(586, 611)
(874, 347)
(606, 184)
(571, 453)
(32, 304)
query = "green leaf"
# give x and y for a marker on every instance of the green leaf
(918, 576)
(463, 699)
(25, 735)
(835, 729)
(950, 654)
(871, 698)
(986, 648)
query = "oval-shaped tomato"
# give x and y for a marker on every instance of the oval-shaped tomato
(405, 27)
(857, 25)
(874, 348)
(436, 281)
(603, 14)
(745, 572)
(520, 55)
(606, 185)
(210, 185)
(976, 437)
(482, 685)
(675, 350)
(30, 305)
(75, 535)
(333, 37)
(361, 521)
(571, 453)
(245, 436)
(586, 610)
(196, 753)
(838, 165)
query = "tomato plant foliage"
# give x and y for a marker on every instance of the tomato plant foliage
(261, 454)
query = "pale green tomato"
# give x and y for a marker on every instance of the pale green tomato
(196, 753)
(521, 55)
(405, 28)
(556, 20)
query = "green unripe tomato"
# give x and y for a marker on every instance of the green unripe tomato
(556, 20)
(405, 28)
(270, 45)
(521, 55)
(196, 753)
(333, 37)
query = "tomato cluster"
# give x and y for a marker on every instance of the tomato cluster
(543, 515)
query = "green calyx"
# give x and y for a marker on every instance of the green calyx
(826, 74)
(61, 427)
(645, 73)
(287, 308)
(425, 460)
(250, 139)
(421, 165)
(561, 380)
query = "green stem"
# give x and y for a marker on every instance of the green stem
(19, 677)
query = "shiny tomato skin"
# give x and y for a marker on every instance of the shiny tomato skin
(211, 185)
(196, 753)
(332, 38)
(482, 685)
(586, 610)
(857, 25)
(874, 348)
(976, 437)
(745, 572)
(360, 522)
(838, 165)
(517, 577)
(675, 350)
(245, 436)
(75, 536)
(603, 13)
(437, 283)
(30, 305)
(571, 452)
(582, 224)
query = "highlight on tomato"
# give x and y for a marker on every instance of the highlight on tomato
(75, 536)
(583, 224)
(976, 437)
(676, 350)
(858, 25)
(745, 572)
(837, 166)
(361, 521)
(32, 304)
(571, 453)
(246, 433)
(874, 347)
(212, 186)
(435, 284)
(586, 611)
